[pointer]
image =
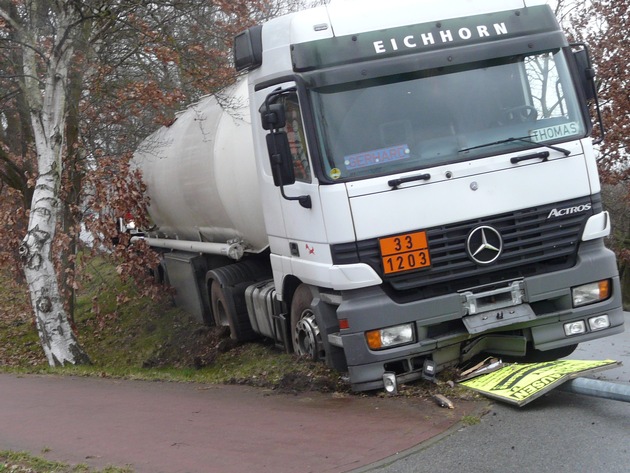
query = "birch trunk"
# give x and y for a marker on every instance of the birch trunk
(47, 100)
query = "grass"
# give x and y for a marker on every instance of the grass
(133, 337)
(470, 420)
(128, 336)
(21, 462)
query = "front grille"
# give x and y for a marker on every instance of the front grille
(532, 244)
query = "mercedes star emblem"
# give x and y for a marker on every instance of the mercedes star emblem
(484, 245)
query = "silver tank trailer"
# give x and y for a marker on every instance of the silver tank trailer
(201, 174)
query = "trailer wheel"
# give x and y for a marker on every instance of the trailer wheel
(305, 334)
(218, 305)
(225, 314)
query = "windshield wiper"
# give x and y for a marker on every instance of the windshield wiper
(523, 139)
(542, 155)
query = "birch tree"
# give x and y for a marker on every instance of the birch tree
(81, 83)
(45, 71)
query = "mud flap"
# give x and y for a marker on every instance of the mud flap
(185, 273)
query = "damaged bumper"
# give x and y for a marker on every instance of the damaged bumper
(506, 320)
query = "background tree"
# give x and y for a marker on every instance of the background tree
(81, 82)
(605, 26)
(43, 69)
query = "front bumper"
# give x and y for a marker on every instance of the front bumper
(443, 337)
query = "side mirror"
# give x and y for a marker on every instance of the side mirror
(586, 73)
(273, 116)
(280, 159)
(586, 76)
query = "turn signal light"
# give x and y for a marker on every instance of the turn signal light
(591, 293)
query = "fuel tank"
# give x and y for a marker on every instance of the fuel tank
(201, 174)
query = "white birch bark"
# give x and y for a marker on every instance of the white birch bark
(47, 100)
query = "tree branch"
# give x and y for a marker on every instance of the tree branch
(12, 23)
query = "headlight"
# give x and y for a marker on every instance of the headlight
(390, 337)
(590, 293)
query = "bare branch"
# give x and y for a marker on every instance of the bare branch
(10, 21)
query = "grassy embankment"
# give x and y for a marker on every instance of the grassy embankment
(137, 338)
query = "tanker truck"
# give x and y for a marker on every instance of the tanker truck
(392, 188)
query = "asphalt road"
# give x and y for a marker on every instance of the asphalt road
(559, 432)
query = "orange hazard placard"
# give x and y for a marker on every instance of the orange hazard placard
(405, 252)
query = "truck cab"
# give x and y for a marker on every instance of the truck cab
(428, 184)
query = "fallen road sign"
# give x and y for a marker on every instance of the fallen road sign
(521, 383)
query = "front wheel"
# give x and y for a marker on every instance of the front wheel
(538, 356)
(305, 334)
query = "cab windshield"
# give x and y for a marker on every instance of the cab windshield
(428, 118)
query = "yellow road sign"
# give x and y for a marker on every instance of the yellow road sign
(520, 383)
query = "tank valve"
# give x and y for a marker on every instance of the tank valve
(235, 250)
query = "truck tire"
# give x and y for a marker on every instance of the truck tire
(305, 333)
(226, 315)
(539, 356)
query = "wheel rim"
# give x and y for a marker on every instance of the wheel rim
(308, 340)
(222, 315)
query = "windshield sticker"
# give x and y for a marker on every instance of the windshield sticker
(335, 173)
(553, 132)
(377, 156)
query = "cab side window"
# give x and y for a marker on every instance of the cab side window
(297, 143)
